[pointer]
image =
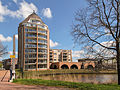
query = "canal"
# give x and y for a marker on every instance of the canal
(86, 78)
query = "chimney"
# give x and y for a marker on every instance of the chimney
(13, 44)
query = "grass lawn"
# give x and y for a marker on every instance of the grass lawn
(78, 86)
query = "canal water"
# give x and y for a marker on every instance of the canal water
(86, 78)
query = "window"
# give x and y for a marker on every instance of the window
(42, 66)
(54, 59)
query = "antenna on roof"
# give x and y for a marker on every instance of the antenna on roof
(34, 11)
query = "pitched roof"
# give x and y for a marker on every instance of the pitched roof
(33, 15)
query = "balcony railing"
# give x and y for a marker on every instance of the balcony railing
(31, 41)
(30, 30)
(29, 51)
(43, 32)
(42, 61)
(43, 27)
(29, 24)
(43, 42)
(28, 35)
(44, 46)
(41, 36)
(30, 46)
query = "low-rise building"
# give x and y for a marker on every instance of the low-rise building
(8, 62)
(104, 63)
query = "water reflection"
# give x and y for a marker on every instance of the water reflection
(86, 78)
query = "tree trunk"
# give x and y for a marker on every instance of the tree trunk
(118, 61)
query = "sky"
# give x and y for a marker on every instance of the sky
(57, 14)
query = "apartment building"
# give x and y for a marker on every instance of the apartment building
(59, 55)
(33, 44)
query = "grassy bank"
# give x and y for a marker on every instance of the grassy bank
(79, 86)
(32, 74)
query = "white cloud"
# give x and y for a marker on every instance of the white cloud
(107, 31)
(109, 44)
(1, 58)
(1, 18)
(15, 1)
(16, 36)
(53, 44)
(24, 10)
(5, 39)
(95, 52)
(47, 12)
(11, 53)
(3, 11)
(77, 54)
(103, 52)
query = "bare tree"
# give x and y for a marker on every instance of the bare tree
(3, 50)
(99, 23)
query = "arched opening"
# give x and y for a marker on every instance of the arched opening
(64, 66)
(82, 66)
(89, 67)
(74, 67)
(55, 67)
(52, 66)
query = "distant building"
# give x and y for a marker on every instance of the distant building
(8, 62)
(104, 63)
(33, 44)
(60, 55)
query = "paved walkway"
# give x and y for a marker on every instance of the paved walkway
(4, 75)
(5, 85)
(13, 86)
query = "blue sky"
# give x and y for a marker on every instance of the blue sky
(57, 14)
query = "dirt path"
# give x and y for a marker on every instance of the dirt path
(13, 86)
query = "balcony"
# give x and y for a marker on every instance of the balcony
(64, 57)
(64, 60)
(30, 67)
(65, 54)
(42, 47)
(30, 46)
(30, 30)
(42, 53)
(30, 63)
(65, 51)
(42, 61)
(42, 32)
(31, 58)
(42, 42)
(42, 37)
(29, 24)
(42, 57)
(30, 52)
(42, 27)
(31, 41)
(31, 36)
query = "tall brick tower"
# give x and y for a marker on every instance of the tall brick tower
(33, 44)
